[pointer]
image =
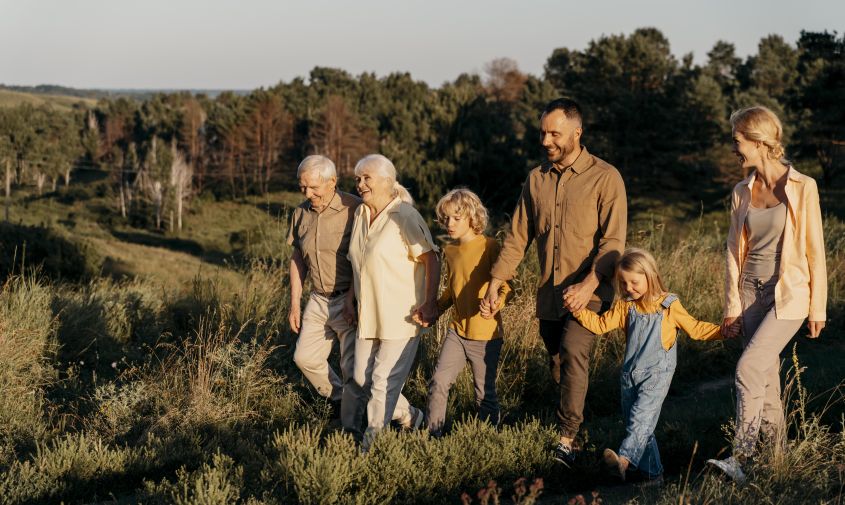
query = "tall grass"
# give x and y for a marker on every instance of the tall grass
(123, 391)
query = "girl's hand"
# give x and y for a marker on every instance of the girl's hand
(730, 327)
(815, 328)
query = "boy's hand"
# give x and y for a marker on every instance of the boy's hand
(490, 301)
(486, 311)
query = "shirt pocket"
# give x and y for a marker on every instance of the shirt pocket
(582, 218)
(543, 215)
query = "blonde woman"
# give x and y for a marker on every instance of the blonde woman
(776, 275)
(395, 275)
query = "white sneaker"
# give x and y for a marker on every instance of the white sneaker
(730, 467)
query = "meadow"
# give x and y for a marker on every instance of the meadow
(150, 367)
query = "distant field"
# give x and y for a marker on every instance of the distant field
(10, 98)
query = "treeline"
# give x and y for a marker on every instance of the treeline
(655, 117)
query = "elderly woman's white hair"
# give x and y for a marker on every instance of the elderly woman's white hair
(317, 163)
(384, 168)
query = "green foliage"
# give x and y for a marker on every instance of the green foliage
(404, 467)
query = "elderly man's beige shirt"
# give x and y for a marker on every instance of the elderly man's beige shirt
(389, 280)
(323, 240)
(578, 217)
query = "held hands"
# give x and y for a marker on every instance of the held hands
(731, 327)
(815, 328)
(350, 311)
(489, 305)
(577, 296)
(426, 314)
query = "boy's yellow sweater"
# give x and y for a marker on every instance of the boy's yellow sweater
(469, 267)
(675, 317)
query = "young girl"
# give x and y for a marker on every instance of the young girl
(473, 335)
(650, 316)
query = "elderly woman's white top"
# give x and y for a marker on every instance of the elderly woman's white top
(389, 281)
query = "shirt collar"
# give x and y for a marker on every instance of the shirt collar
(581, 163)
(393, 206)
(335, 203)
(791, 175)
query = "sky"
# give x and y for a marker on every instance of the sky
(245, 44)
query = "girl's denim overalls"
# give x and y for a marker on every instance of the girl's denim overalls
(646, 374)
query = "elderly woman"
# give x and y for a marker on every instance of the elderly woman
(395, 275)
(776, 275)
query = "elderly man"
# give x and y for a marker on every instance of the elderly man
(574, 205)
(319, 232)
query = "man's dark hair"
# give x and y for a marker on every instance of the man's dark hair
(568, 106)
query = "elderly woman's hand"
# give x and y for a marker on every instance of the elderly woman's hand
(426, 314)
(350, 311)
(815, 328)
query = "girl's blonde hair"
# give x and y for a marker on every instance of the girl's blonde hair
(640, 261)
(760, 124)
(465, 203)
(384, 168)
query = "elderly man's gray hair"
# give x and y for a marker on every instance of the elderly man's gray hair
(317, 163)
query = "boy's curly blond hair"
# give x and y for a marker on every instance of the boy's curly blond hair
(465, 203)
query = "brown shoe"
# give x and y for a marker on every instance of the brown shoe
(614, 464)
(554, 367)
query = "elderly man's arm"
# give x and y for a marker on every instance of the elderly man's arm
(613, 225)
(298, 269)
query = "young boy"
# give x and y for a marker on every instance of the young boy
(472, 336)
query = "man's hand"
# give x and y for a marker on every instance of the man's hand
(815, 328)
(577, 296)
(294, 317)
(426, 314)
(490, 303)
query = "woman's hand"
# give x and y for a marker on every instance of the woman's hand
(350, 311)
(730, 327)
(426, 314)
(815, 328)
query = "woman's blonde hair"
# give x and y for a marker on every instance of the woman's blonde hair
(640, 261)
(760, 124)
(465, 203)
(384, 168)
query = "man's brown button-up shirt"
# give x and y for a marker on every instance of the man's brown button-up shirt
(578, 217)
(323, 240)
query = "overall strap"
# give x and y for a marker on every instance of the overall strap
(670, 298)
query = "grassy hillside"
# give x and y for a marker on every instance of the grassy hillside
(9, 98)
(167, 377)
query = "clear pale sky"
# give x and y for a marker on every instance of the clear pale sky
(216, 44)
